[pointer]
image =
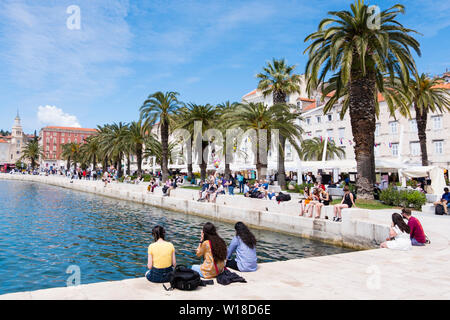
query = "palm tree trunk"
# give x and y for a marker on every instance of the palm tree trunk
(204, 164)
(362, 95)
(139, 158)
(68, 163)
(189, 162)
(421, 119)
(119, 165)
(164, 150)
(281, 169)
(128, 165)
(280, 97)
(94, 162)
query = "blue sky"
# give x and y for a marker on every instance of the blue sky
(208, 51)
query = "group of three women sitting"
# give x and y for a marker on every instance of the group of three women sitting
(314, 200)
(213, 249)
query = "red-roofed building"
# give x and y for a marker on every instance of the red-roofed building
(51, 139)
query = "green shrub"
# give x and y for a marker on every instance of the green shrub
(403, 198)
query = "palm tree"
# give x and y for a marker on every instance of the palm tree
(278, 79)
(71, 152)
(225, 110)
(91, 150)
(209, 117)
(32, 151)
(161, 106)
(425, 95)
(136, 135)
(360, 56)
(312, 149)
(153, 148)
(255, 116)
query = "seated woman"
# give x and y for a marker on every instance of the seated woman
(315, 203)
(347, 202)
(244, 244)
(399, 238)
(304, 204)
(213, 249)
(218, 191)
(161, 257)
(324, 201)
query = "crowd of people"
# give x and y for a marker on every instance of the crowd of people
(240, 255)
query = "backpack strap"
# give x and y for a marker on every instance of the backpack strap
(168, 289)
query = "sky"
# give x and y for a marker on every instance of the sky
(60, 70)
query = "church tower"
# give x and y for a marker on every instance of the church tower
(17, 140)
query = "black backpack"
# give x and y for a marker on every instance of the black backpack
(439, 210)
(283, 197)
(183, 278)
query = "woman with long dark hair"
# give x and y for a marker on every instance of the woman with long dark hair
(399, 238)
(161, 257)
(213, 249)
(244, 244)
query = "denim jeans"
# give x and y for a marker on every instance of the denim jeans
(158, 275)
(196, 267)
(241, 186)
(414, 242)
(231, 190)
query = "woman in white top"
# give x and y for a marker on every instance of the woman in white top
(399, 234)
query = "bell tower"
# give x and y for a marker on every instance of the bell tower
(16, 140)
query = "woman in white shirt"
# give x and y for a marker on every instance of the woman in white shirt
(399, 234)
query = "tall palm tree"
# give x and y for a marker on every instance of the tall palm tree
(226, 110)
(312, 149)
(153, 148)
(32, 152)
(71, 152)
(255, 116)
(161, 106)
(360, 56)
(425, 95)
(136, 135)
(279, 80)
(209, 117)
(91, 149)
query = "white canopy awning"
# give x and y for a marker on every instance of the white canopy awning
(436, 175)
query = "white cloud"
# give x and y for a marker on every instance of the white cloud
(51, 115)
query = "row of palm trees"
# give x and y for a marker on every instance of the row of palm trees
(348, 60)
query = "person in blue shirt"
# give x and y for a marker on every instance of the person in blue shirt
(445, 200)
(244, 245)
(240, 179)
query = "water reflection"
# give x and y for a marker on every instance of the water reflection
(44, 229)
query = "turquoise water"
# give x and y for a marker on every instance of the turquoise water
(45, 229)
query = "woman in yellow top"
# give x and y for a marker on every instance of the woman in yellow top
(161, 257)
(213, 249)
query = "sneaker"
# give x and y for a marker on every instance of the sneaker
(339, 220)
(334, 218)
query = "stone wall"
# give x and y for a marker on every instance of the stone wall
(355, 231)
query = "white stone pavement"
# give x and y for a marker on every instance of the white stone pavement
(421, 273)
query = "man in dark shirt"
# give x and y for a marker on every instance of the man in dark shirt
(417, 235)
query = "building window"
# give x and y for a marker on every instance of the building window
(377, 129)
(318, 119)
(62, 134)
(299, 104)
(394, 127)
(308, 121)
(54, 148)
(330, 133)
(318, 133)
(438, 146)
(62, 140)
(395, 149)
(437, 122)
(341, 132)
(330, 117)
(288, 152)
(413, 125)
(415, 148)
(47, 140)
